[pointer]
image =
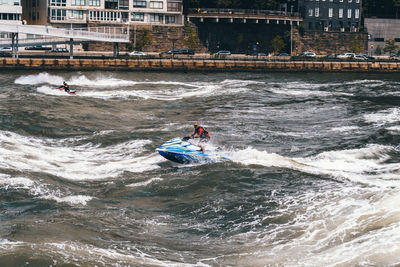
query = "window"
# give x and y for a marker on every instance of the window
(76, 14)
(310, 12)
(350, 1)
(357, 13)
(58, 2)
(340, 12)
(174, 6)
(123, 4)
(78, 2)
(349, 13)
(140, 4)
(330, 12)
(58, 14)
(155, 18)
(135, 16)
(157, 5)
(379, 39)
(169, 19)
(94, 2)
(317, 11)
(111, 4)
(357, 1)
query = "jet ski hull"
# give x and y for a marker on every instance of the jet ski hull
(183, 152)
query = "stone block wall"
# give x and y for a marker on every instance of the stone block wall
(329, 43)
(163, 38)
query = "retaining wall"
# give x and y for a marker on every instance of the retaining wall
(196, 65)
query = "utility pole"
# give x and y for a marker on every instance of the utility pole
(291, 37)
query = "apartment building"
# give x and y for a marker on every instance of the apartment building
(10, 11)
(78, 13)
(328, 15)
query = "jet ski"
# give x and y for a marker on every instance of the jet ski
(71, 92)
(180, 151)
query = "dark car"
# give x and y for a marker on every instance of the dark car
(283, 55)
(186, 51)
(5, 54)
(37, 47)
(174, 52)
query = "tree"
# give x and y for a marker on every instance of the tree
(277, 44)
(378, 51)
(355, 46)
(192, 40)
(390, 46)
(145, 39)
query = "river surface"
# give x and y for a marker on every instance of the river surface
(314, 176)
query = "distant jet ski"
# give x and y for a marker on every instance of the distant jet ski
(71, 92)
(180, 151)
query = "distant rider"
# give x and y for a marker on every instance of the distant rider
(200, 132)
(65, 86)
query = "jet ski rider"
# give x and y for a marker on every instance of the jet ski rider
(65, 86)
(200, 132)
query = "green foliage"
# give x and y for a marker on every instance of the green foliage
(277, 44)
(378, 51)
(192, 40)
(144, 39)
(355, 46)
(390, 46)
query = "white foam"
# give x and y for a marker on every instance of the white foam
(41, 78)
(145, 183)
(51, 91)
(84, 162)
(383, 117)
(345, 129)
(365, 165)
(41, 190)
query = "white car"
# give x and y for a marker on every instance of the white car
(346, 55)
(308, 54)
(6, 49)
(137, 54)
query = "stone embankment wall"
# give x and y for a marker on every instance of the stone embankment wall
(197, 65)
(329, 43)
(163, 38)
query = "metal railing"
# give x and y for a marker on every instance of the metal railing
(103, 34)
(225, 11)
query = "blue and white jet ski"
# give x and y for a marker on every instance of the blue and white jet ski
(178, 150)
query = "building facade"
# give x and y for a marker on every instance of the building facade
(328, 15)
(380, 31)
(79, 13)
(10, 11)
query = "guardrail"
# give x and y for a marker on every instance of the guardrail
(103, 34)
(226, 11)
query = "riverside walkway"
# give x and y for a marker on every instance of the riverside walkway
(42, 33)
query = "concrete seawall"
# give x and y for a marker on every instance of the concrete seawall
(197, 65)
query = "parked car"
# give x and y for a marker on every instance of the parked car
(5, 54)
(8, 49)
(283, 55)
(187, 51)
(59, 50)
(174, 52)
(223, 52)
(360, 57)
(37, 47)
(308, 54)
(346, 55)
(395, 57)
(137, 54)
(261, 54)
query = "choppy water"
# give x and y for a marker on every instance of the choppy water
(314, 178)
